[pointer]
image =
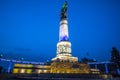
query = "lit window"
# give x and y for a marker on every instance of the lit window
(39, 71)
(29, 71)
(15, 70)
(22, 71)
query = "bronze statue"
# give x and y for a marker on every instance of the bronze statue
(63, 14)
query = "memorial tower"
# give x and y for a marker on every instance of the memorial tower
(64, 45)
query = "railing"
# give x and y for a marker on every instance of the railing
(21, 61)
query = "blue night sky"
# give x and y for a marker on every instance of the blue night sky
(30, 28)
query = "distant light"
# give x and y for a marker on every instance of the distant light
(22, 58)
(94, 59)
(1, 55)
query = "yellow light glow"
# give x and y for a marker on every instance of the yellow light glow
(15, 70)
(64, 43)
(20, 65)
(45, 71)
(29, 65)
(17, 65)
(39, 71)
(43, 66)
(29, 71)
(22, 71)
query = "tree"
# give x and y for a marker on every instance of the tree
(115, 56)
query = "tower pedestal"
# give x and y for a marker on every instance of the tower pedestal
(64, 52)
(69, 67)
(65, 59)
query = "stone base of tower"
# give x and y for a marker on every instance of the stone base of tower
(69, 67)
(65, 59)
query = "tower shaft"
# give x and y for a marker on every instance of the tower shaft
(63, 33)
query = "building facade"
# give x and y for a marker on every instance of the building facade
(31, 68)
(105, 67)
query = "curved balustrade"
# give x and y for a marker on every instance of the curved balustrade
(21, 61)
